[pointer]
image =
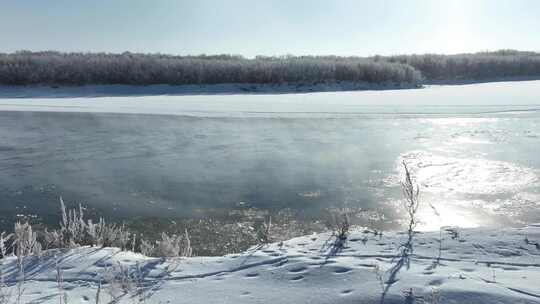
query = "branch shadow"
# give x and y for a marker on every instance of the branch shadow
(333, 246)
(403, 259)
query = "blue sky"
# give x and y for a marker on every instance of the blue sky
(271, 27)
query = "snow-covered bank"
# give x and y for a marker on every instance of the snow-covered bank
(37, 91)
(467, 266)
(120, 90)
(514, 97)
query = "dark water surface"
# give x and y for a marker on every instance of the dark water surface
(476, 169)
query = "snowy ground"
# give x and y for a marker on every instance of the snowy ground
(468, 266)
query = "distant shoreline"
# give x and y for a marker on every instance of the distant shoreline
(478, 81)
(122, 90)
(26, 74)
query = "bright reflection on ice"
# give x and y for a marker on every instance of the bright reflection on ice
(440, 174)
(460, 121)
(448, 186)
(434, 215)
(470, 140)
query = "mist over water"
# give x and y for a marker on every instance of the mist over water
(476, 161)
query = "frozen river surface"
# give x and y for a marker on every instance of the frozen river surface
(473, 148)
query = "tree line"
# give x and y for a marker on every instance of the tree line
(479, 66)
(56, 68)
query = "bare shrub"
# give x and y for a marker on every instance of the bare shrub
(111, 235)
(75, 231)
(25, 244)
(168, 246)
(187, 250)
(411, 194)
(122, 280)
(340, 223)
(72, 226)
(146, 247)
(133, 242)
(264, 231)
(51, 239)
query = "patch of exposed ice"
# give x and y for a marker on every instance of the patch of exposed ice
(471, 140)
(442, 174)
(436, 213)
(460, 121)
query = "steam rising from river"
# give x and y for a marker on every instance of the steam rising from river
(472, 149)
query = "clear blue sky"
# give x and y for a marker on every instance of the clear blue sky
(271, 27)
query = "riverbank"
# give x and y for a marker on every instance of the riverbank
(449, 266)
(120, 90)
(92, 91)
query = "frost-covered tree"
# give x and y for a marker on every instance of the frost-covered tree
(54, 68)
(479, 66)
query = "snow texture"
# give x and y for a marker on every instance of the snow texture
(487, 98)
(448, 266)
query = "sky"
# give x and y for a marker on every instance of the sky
(270, 27)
